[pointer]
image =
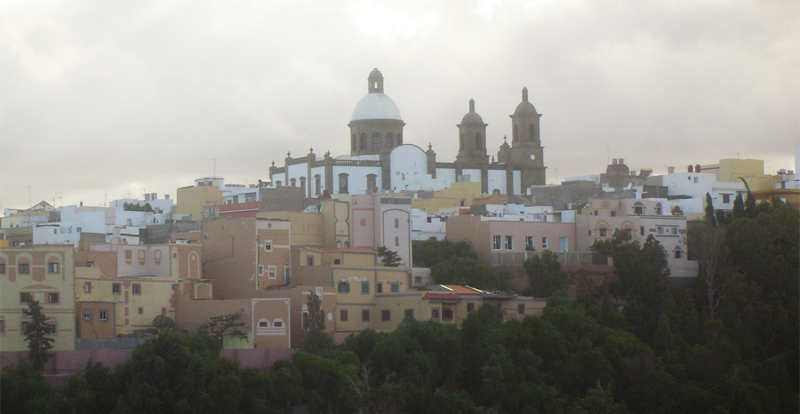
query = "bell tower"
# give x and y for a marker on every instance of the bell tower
(472, 138)
(526, 150)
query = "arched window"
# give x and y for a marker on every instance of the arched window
(678, 252)
(532, 131)
(353, 143)
(363, 143)
(461, 142)
(376, 141)
(396, 241)
(397, 223)
(389, 140)
(659, 209)
(343, 178)
(477, 141)
(515, 134)
(400, 139)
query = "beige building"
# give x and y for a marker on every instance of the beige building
(640, 218)
(120, 289)
(245, 256)
(458, 195)
(734, 169)
(40, 273)
(206, 191)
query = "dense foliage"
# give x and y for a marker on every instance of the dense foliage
(641, 346)
(36, 335)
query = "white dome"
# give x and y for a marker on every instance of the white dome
(376, 106)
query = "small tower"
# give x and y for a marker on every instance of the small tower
(526, 150)
(472, 138)
(376, 127)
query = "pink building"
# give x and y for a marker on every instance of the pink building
(492, 235)
(382, 221)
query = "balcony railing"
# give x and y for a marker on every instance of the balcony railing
(570, 258)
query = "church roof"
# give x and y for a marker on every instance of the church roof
(376, 106)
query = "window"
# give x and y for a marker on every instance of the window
(128, 254)
(613, 213)
(673, 230)
(603, 232)
(395, 287)
(87, 315)
(343, 315)
(263, 323)
(726, 198)
(337, 261)
(477, 141)
(137, 289)
(272, 272)
(268, 245)
(365, 315)
(277, 323)
(309, 260)
(659, 209)
(304, 321)
(379, 287)
(396, 241)
(343, 183)
(103, 315)
(344, 287)
(23, 327)
(530, 243)
(435, 313)
(497, 242)
(563, 244)
(89, 264)
(521, 308)
(116, 288)
(164, 310)
(25, 297)
(386, 315)
(408, 314)
(87, 287)
(544, 242)
(52, 297)
(2, 326)
(641, 230)
(51, 329)
(2, 267)
(509, 243)
(660, 230)
(678, 253)
(260, 270)
(23, 268)
(447, 314)
(365, 288)
(141, 310)
(470, 307)
(638, 208)
(417, 280)
(397, 223)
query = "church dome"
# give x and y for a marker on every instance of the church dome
(472, 117)
(376, 105)
(525, 107)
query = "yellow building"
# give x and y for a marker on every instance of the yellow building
(458, 195)
(206, 191)
(44, 274)
(121, 289)
(734, 169)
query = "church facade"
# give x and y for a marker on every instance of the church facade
(380, 161)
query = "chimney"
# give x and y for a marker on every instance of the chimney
(690, 168)
(670, 170)
(622, 161)
(613, 161)
(697, 168)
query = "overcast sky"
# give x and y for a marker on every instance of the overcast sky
(102, 99)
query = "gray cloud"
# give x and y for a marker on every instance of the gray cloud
(108, 98)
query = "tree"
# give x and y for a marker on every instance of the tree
(24, 390)
(36, 335)
(164, 322)
(430, 252)
(738, 207)
(229, 324)
(707, 245)
(388, 257)
(467, 271)
(676, 211)
(545, 274)
(317, 340)
(750, 205)
(710, 217)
